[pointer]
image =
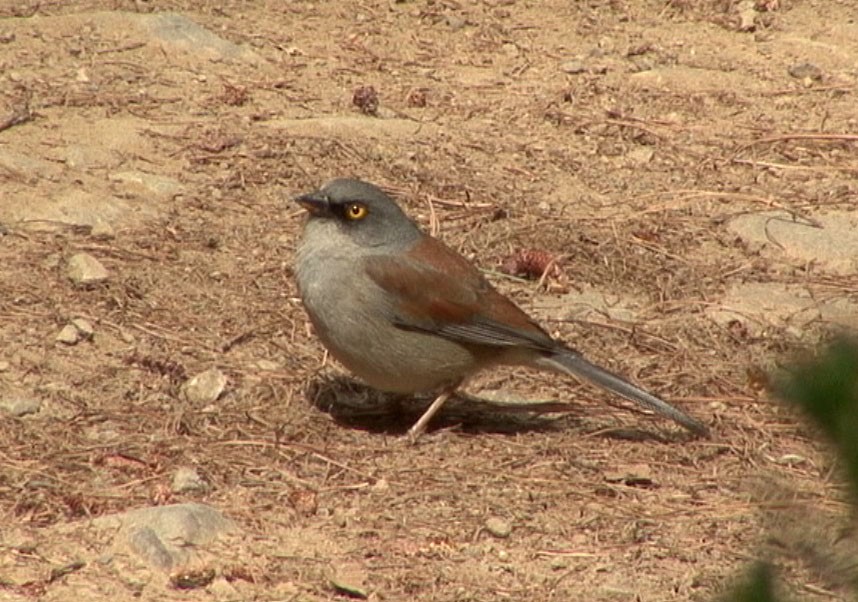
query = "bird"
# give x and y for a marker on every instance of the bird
(407, 314)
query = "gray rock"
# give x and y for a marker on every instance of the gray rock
(146, 186)
(79, 207)
(182, 34)
(164, 536)
(588, 302)
(805, 70)
(206, 386)
(26, 168)
(188, 480)
(760, 306)
(18, 406)
(83, 268)
(146, 543)
(831, 244)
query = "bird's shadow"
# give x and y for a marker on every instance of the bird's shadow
(356, 405)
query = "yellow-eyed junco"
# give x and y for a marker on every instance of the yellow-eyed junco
(407, 314)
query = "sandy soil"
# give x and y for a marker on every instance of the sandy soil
(619, 137)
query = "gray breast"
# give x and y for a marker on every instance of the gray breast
(350, 315)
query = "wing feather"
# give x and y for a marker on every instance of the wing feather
(452, 300)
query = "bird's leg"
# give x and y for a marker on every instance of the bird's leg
(415, 431)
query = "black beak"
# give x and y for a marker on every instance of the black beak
(316, 203)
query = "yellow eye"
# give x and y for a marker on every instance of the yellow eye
(356, 211)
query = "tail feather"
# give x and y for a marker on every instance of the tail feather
(572, 363)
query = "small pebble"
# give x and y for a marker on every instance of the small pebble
(101, 229)
(206, 386)
(75, 331)
(188, 480)
(747, 15)
(498, 527)
(221, 589)
(52, 261)
(267, 365)
(84, 327)
(791, 460)
(340, 518)
(573, 67)
(304, 501)
(69, 335)
(83, 268)
(558, 563)
(633, 475)
(454, 22)
(640, 156)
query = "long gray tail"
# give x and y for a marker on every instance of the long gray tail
(572, 363)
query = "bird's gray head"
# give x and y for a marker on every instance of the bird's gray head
(369, 216)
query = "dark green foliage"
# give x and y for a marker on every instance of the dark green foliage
(826, 389)
(758, 586)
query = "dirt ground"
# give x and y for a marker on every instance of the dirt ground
(619, 137)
